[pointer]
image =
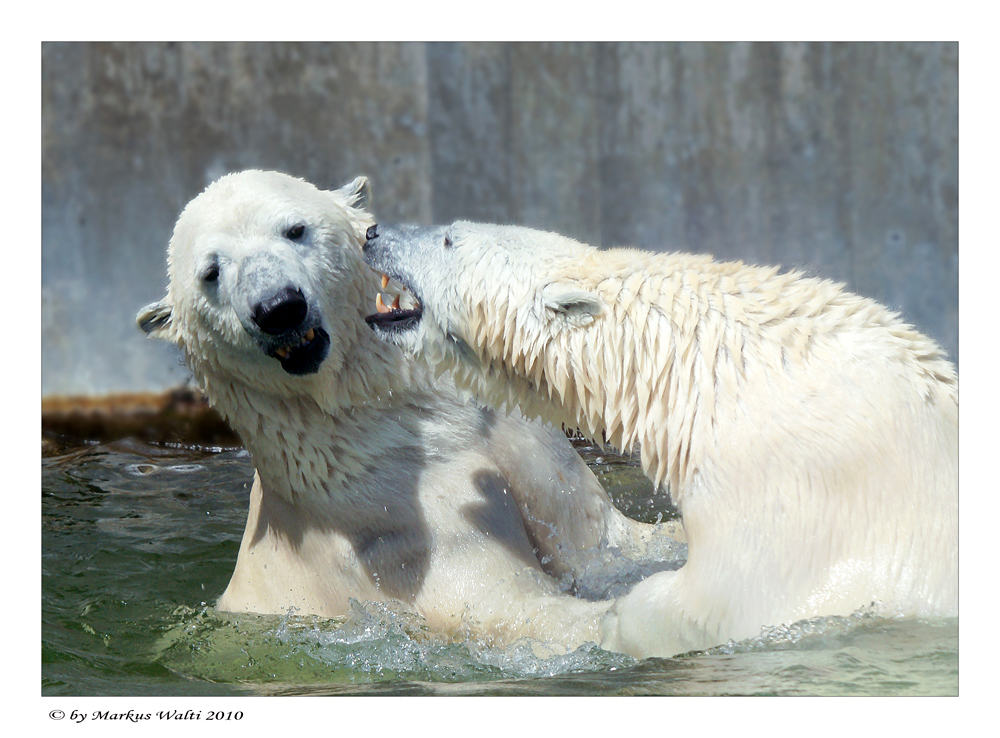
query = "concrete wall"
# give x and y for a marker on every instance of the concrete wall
(840, 158)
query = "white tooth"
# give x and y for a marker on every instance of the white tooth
(379, 304)
(310, 335)
(385, 281)
(395, 303)
(282, 352)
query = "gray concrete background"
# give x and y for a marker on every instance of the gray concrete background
(838, 158)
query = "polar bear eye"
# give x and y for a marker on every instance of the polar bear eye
(295, 232)
(211, 274)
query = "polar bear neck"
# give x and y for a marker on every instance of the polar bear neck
(306, 454)
(317, 443)
(675, 344)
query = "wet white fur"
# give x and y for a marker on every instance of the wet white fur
(373, 479)
(809, 437)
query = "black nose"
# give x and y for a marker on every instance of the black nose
(283, 311)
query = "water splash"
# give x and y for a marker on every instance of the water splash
(376, 642)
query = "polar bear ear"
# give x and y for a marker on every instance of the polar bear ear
(575, 305)
(357, 194)
(156, 320)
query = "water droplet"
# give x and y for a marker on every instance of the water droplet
(141, 470)
(186, 468)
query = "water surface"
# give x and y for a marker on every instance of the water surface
(140, 540)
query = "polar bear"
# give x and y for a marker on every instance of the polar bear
(374, 480)
(808, 436)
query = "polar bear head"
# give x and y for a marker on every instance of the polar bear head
(490, 298)
(266, 282)
(468, 273)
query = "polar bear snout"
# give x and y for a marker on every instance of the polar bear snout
(275, 302)
(290, 331)
(381, 251)
(281, 312)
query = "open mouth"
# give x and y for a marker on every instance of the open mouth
(304, 356)
(393, 318)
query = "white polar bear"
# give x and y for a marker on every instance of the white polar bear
(809, 438)
(373, 481)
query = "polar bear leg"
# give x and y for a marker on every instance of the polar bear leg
(650, 620)
(565, 510)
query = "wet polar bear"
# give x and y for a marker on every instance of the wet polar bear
(809, 437)
(374, 481)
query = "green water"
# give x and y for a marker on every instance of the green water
(138, 541)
